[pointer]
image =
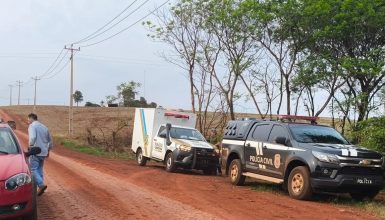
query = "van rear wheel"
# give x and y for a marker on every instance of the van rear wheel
(170, 164)
(140, 159)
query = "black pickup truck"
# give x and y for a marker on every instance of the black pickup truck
(303, 157)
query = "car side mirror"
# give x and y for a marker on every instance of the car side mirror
(33, 151)
(163, 135)
(280, 140)
(168, 128)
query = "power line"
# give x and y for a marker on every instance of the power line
(101, 28)
(121, 31)
(61, 70)
(118, 21)
(50, 67)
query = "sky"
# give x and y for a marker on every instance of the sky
(33, 33)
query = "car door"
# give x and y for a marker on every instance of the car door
(253, 148)
(277, 153)
(159, 144)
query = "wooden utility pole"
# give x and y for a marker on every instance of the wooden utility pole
(34, 97)
(10, 94)
(19, 85)
(70, 111)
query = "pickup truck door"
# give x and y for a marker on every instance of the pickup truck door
(159, 144)
(254, 155)
(276, 152)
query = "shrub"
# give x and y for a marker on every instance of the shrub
(371, 134)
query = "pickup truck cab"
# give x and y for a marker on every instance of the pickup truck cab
(170, 137)
(304, 157)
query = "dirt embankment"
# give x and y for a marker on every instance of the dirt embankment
(87, 187)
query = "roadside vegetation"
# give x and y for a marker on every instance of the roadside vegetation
(375, 207)
(92, 150)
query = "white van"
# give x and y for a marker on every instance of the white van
(170, 137)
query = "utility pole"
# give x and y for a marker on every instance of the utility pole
(34, 97)
(70, 111)
(10, 94)
(19, 85)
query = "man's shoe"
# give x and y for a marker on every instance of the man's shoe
(41, 190)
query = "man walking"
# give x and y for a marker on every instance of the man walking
(39, 136)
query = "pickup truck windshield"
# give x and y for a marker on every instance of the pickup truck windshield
(7, 142)
(184, 133)
(316, 134)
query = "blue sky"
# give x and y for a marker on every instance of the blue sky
(34, 32)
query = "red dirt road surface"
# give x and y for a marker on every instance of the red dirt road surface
(87, 187)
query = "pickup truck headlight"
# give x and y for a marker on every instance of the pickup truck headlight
(16, 181)
(184, 148)
(329, 158)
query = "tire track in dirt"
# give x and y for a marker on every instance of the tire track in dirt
(102, 194)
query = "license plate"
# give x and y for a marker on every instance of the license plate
(364, 181)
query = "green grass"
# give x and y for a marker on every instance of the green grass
(376, 207)
(96, 151)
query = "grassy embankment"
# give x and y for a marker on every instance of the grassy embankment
(375, 207)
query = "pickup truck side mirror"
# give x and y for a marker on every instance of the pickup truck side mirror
(33, 151)
(163, 135)
(280, 140)
(168, 128)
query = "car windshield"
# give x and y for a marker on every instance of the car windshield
(316, 134)
(185, 133)
(7, 142)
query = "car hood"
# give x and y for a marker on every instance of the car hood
(10, 165)
(193, 143)
(343, 150)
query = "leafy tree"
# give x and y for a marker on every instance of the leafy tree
(370, 133)
(127, 92)
(78, 97)
(349, 39)
(111, 99)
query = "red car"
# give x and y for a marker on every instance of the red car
(17, 190)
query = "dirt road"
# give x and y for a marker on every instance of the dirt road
(87, 187)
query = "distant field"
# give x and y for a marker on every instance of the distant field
(94, 125)
(56, 117)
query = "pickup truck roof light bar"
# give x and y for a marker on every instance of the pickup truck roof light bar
(313, 120)
(176, 115)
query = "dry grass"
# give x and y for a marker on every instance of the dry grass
(94, 122)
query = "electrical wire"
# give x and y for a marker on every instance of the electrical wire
(91, 36)
(61, 70)
(49, 68)
(121, 31)
(55, 64)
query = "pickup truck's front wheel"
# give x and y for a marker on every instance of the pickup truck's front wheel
(236, 176)
(140, 159)
(299, 183)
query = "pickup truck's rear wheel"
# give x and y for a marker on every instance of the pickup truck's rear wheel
(170, 164)
(299, 183)
(359, 196)
(140, 159)
(236, 176)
